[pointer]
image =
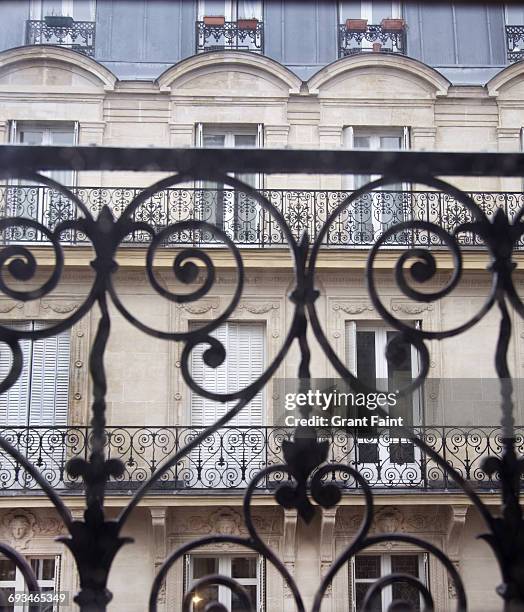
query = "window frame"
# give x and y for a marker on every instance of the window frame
(231, 12)
(385, 569)
(36, 10)
(224, 569)
(19, 585)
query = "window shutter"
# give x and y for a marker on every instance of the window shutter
(351, 346)
(348, 142)
(352, 589)
(12, 131)
(204, 411)
(14, 403)
(247, 363)
(261, 590)
(406, 139)
(50, 379)
(199, 135)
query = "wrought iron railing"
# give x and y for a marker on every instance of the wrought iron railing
(515, 42)
(63, 32)
(248, 224)
(311, 481)
(373, 38)
(241, 35)
(230, 457)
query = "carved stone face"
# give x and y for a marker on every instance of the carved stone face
(226, 525)
(19, 526)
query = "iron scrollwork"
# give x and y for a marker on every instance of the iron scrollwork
(95, 540)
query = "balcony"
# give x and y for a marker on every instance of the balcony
(356, 36)
(62, 31)
(231, 456)
(216, 34)
(244, 221)
(515, 42)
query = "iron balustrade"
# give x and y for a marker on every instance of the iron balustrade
(230, 35)
(231, 456)
(248, 224)
(515, 42)
(355, 41)
(76, 35)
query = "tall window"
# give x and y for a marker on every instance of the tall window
(41, 393)
(371, 215)
(47, 571)
(232, 210)
(35, 201)
(230, 9)
(391, 459)
(247, 570)
(366, 569)
(373, 11)
(244, 363)
(79, 10)
(232, 455)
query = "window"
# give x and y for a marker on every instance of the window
(231, 210)
(244, 363)
(235, 453)
(35, 201)
(372, 214)
(374, 12)
(79, 10)
(40, 395)
(247, 570)
(388, 459)
(230, 9)
(47, 571)
(366, 569)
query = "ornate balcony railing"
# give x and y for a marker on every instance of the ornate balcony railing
(373, 38)
(230, 457)
(63, 32)
(241, 35)
(245, 222)
(515, 42)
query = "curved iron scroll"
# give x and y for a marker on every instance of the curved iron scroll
(95, 540)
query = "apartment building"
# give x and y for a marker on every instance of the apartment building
(256, 74)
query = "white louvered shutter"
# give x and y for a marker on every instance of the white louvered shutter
(351, 346)
(50, 379)
(14, 404)
(222, 458)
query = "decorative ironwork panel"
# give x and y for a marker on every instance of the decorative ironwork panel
(308, 463)
(247, 225)
(230, 35)
(515, 42)
(355, 41)
(76, 35)
(231, 456)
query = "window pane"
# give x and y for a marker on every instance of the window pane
(390, 142)
(4, 599)
(244, 567)
(405, 564)
(214, 140)
(31, 137)
(203, 566)
(400, 375)
(7, 569)
(44, 568)
(245, 140)
(366, 358)
(367, 566)
(204, 596)
(237, 605)
(361, 588)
